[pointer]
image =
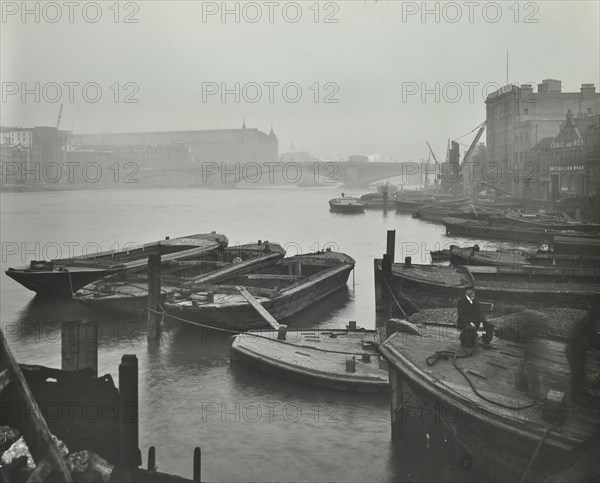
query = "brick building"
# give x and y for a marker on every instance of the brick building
(243, 145)
(517, 119)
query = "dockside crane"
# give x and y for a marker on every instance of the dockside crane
(469, 152)
(437, 166)
(59, 117)
(432, 153)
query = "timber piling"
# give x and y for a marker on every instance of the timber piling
(154, 298)
(129, 455)
(79, 346)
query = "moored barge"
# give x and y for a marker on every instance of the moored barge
(283, 289)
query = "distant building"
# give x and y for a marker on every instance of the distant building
(518, 118)
(298, 157)
(358, 158)
(569, 163)
(243, 145)
(472, 170)
(573, 160)
(13, 159)
(23, 137)
(537, 167)
(47, 146)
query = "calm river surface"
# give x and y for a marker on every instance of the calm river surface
(250, 427)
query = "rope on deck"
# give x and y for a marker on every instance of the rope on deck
(433, 359)
(239, 332)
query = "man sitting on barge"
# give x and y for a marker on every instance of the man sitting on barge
(470, 318)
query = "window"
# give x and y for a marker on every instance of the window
(589, 110)
(526, 111)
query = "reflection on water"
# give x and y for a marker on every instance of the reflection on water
(250, 426)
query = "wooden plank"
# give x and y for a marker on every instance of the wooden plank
(236, 269)
(264, 313)
(5, 379)
(271, 276)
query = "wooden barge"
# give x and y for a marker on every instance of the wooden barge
(63, 277)
(548, 222)
(347, 204)
(376, 201)
(493, 230)
(438, 211)
(128, 292)
(283, 289)
(517, 435)
(501, 289)
(585, 244)
(474, 256)
(343, 360)
(411, 205)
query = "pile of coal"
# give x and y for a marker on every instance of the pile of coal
(17, 463)
(557, 324)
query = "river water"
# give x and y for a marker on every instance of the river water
(250, 427)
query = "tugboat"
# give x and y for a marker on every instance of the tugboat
(346, 204)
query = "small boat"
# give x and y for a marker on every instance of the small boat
(516, 434)
(475, 256)
(494, 230)
(344, 360)
(63, 277)
(501, 289)
(346, 204)
(283, 289)
(127, 292)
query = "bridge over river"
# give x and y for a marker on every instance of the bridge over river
(348, 173)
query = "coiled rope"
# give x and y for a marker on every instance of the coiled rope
(446, 354)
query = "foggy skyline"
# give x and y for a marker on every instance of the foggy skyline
(365, 61)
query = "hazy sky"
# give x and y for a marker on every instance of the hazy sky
(372, 60)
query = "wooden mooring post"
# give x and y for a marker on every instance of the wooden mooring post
(129, 454)
(34, 429)
(390, 248)
(79, 346)
(382, 275)
(385, 200)
(197, 475)
(154, 298)
(386, 296)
